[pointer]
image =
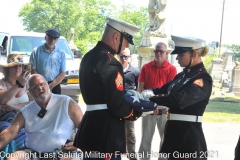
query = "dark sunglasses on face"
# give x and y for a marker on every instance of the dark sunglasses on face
(122, 56)
(159, 51)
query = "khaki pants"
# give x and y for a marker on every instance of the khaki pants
(130, 137)
(148, 128)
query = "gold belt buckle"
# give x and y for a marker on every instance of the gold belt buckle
(169, 117)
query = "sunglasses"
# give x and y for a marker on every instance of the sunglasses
(122, 56)
(15, 60)
(159, 51)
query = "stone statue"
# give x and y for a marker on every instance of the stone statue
(72, 31)
(157, 17)
(237, 63)
(71, 42)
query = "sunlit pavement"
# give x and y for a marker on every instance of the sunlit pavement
(221, 138)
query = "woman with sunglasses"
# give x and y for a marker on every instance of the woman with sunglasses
(187, 96)
(13, 96)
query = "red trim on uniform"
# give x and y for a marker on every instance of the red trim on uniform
(129, 114)
(106, 51)
(108, 54)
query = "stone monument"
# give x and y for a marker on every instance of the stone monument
(228, 64)
(227, 69)
(157, 18)
(72, 46)
(156, 31)
(217, 69)
(235, 85)
(71, 42)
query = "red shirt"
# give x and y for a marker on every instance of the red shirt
(155, 77)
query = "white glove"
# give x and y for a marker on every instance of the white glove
(146, 113)
(134, 93)
(146, 94)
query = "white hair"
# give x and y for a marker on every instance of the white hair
(32, 76)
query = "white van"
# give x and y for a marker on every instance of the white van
(24, 43)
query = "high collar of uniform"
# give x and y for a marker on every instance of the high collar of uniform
(104, 46)
(198, 67)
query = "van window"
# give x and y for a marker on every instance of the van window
(1, 39)
(25, 45)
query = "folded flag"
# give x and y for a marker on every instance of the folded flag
(139, 104)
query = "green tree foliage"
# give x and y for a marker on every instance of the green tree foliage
(208, 60)
(39, 15)
(236, 50)
(135, 16)
(233, 47)
(86, 16)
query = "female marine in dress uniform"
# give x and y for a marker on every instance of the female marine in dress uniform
(187, 96)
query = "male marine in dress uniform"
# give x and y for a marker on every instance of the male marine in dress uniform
(102, 85)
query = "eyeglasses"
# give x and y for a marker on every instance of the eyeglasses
(37, 86)
(160, 51)
(122, 56)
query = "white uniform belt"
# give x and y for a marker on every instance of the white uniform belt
(93, 107)
(182, 117)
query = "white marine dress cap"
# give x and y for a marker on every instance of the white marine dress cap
(184, 44)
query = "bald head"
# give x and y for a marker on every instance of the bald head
(109, 35)
(33, 77)
(160, 44)
(39, 89)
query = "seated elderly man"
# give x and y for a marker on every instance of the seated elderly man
(49, 121)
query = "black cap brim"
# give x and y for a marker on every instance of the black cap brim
(181, 50)
(128, 37)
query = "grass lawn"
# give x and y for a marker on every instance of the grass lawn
(223, 107)
(222, 112)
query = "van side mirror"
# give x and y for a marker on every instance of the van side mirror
(77, 54)
(3, 51)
